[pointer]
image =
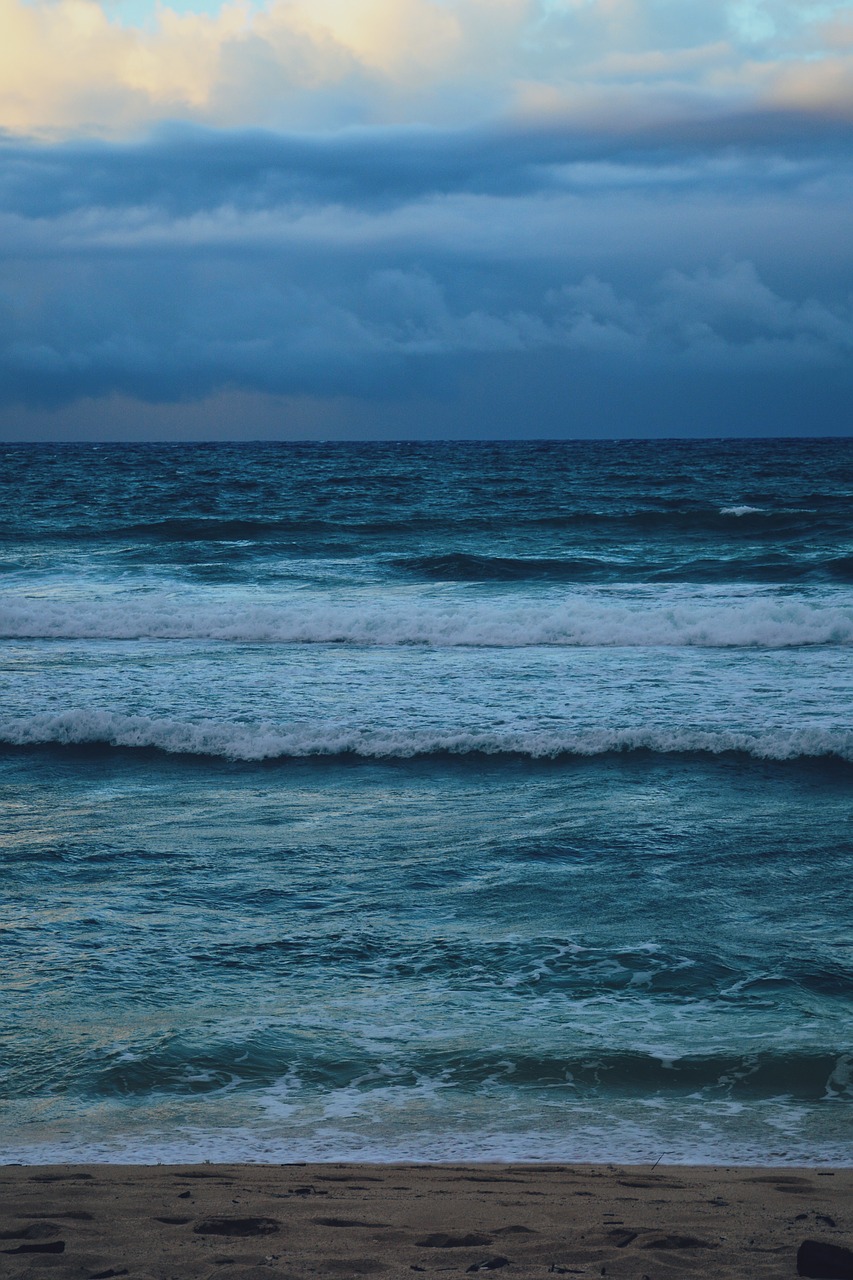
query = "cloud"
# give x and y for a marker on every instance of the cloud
(67, 66)
(285, 180)
(507, 274)
(723, 317)
(160, 329)
(70, 67)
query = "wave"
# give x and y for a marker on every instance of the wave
(233, 740)
(461, 566)
(820, 513)
(540, 966)
(580, 621)
(207, 529)
(181, 1069)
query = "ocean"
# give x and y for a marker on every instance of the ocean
(427, 802)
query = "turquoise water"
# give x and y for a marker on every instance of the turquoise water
(427, 802)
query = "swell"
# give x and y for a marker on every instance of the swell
(572, 621)
(267, 1059)
(829, 517)
(772, 568)
(239, 741)
(541, 967)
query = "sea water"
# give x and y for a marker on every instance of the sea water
(427, 801)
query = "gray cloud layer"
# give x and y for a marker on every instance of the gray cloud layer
(545, 281)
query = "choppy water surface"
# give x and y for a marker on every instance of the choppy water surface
(429, 802)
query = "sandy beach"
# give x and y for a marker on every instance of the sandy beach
(269, 1222)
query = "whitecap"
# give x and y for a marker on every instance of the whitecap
(570, 620)
(266, 741)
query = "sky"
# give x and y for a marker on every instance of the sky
(395, 219)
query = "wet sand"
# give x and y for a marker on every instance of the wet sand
(270, 1222)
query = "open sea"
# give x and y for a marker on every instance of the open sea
(427, 801)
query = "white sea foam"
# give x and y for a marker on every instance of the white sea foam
(742, 510)
(574, 620)
(425, 1123)
(240, 741)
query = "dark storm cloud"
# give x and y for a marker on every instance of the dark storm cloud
(184, 170)
(407, 263)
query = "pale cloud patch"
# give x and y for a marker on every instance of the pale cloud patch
(751, 22)
(825, 85)
(657, 63)
(67, 67)
(396, 40)
(837, 33)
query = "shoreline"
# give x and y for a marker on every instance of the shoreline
(300, 1220)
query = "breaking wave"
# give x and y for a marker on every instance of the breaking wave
(267, 1059)
(240, 741)
(575, 621)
